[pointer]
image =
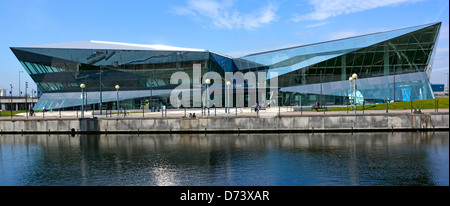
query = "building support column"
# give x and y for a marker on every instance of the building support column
(303, 76)
(343, 69)
(386, 60)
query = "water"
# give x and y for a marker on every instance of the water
(256, 159)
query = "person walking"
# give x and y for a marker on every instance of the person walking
(316, 106)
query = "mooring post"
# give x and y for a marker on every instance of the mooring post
(411, 106)
(437, 105)
(434, 105)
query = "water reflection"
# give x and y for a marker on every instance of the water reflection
(255, 159)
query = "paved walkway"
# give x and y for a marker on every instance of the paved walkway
(270, 112)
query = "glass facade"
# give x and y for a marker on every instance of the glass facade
(391, 66)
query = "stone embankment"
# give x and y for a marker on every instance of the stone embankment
(234, 124)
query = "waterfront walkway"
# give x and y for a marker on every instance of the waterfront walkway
(267, 113)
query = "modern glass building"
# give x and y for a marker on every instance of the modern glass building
(391, 66)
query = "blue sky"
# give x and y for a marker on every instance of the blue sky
(232, 27)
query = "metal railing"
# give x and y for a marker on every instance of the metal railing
(213, 112)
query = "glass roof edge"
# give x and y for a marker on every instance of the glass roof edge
(318, 43)
(223, 55)
(103, 45)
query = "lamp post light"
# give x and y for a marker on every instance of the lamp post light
(228, 96)
(207, 82)
(117, 89)
(34, 96)
(26, 101)
(354, 77)
(20, 91)
(32, 92)
(10, 92)
(82, 86)
(101, 95)
(350, 79)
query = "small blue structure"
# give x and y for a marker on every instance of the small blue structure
(437, 87)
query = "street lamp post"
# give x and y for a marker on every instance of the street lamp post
(352, 92)
(394, 84)
(82, 86)
(117, 89)
(101, 96)
(33, 94)
(354, 77)
(207, 82)
(10, 92)
(26, 101)
(20, 91)
(321, 94)
(228, 96)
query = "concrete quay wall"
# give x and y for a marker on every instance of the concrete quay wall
(234, 124)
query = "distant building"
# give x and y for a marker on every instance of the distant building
(17, 103)
(391, 66)
(439, 90)
(437, 87)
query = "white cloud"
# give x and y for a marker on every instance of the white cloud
(440, 69)
(442, 49)
(441, 59)
(444, 33)
(324, 9)
(439, 74)
(222, 14)
(268, 47)
(352, 33)
(342, 34)
(316, 25)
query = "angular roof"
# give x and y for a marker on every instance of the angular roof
(290, 59)
(111, 45)
(354, 42)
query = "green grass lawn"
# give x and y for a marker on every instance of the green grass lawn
(419, 104)
(14, 113)
(8, 113)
